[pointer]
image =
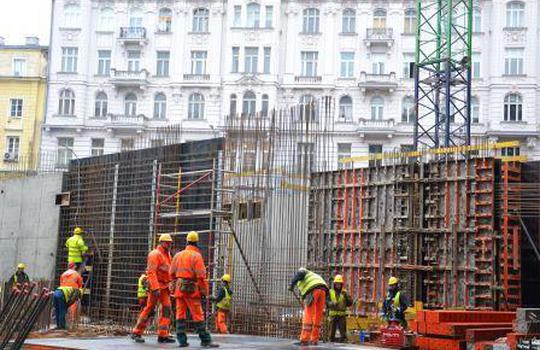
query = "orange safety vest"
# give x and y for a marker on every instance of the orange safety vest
(159, 264)
(189, 264)
(71, 278)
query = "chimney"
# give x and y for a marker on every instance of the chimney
(2, 41)
(32, 41)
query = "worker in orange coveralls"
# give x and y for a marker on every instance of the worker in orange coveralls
(313, 290)
(189, 275)
(71, 278)
(158, 266)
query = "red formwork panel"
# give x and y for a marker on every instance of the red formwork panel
(445, 316)
(433, 343)
(484, 334)
(459, 329)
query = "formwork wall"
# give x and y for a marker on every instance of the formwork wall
(436, 226)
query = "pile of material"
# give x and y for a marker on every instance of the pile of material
(526, 334)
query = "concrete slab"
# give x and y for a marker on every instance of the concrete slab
(227, 342)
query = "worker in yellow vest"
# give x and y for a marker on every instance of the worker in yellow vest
(224, 301)
(76, 247)
(19, 276)
(338, 302)
(142, 290)
(395, 304)
(63, 298)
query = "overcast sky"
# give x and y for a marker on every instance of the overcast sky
(21, 18)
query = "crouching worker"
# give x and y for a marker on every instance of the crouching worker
(63, 298)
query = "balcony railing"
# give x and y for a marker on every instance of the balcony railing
(133, 33)
(128, 121)
(378, 81)
(379, 35)
(129, 78)
(197, 77)
(308, 79)
(376, 124)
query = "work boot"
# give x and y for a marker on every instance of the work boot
(182, 340)
(204, 335)
(209, 345)
(137, 338)
(301, 343)
(166, 340)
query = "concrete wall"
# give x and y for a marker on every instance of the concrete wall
(29, 224)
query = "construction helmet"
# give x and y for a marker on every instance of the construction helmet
(78, 231)
(338, 279)
(192, 237)
(302, 269)
(393, 280)
(21, 266)
(165, 238)
(226, 278)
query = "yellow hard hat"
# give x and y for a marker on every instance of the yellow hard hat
(226, 278)
(193, 237)
(21, 266)
(165, 238)
(393, 280)
(338, 279)
(78, 231)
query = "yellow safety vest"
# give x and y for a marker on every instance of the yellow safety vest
(76, 248)
(340, 309)
(68, 292)
(142, 291)
(225, 303)
(310, 281)
(395, 303)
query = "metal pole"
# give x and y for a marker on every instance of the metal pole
(111, 238)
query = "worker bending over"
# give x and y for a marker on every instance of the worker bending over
(19, 276)
(313, 290)
(67, 294)
(76, 247)
(395, 304)
(189, 275)
(142, 290)
(338, 302)
(157, 269)
(71, 278)
(224, 301)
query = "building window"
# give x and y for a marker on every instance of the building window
(69, 59)
(307, 108)
(345, 109)
(311, 21)
(513, 61)
(477, 20)
(378, 63)
(510, 151)
(162, 64)
(130, 105)
(200, 20)
(513, 108)
(408, 66)
(66, 103)
(106, 19)
(134, 60)
(104, 62)
(135, 20)
(196, 106)
(267, 59)
(160, 106)
(343, 152)
(237, 21)
(65, 150)
(409, 23)
(126, 145)
(12, 147)
(264, 105)
(515, 14)
(251, 59)
(269, 16)
(72, 15)
(475, 110)
(101, 105)
(347, 64)
(377, 108)
(16, 109)
(379, 19)
(253, 15)
(98, 147)
(408, 110)
(232, 105)
(165, 20)
(249, 103)
(235, 60)
(348, 21)
(309, 63)
(475, 65)
(198, 62)
(19, 67)
(375, 149)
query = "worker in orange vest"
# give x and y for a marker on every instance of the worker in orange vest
(189, 275)
(72, 278)
(158, 266)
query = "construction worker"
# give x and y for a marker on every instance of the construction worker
(142, 290)
(313, 290)
(76, 247)
(157, 270)
(223, 305)
(19, 276)
(395, 304)
(189, 275)
(67, 294)
(71, 278)
(338, 302)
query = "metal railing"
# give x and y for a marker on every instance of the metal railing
(129, 75)
(379, 33)
(377, 78)
(308, 79)
(197, 77)
(138, 33)
(376, 123)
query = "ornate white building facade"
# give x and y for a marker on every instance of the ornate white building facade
(122, 68)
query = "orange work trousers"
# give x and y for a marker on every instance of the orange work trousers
(164, 317)
(313, 315)
(193, 304)
(221, 319)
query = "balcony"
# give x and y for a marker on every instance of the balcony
(379, 126)
(127, 122)
(133, 36)
(197, 77)
(379, 36)
(308, 79)
(130, 79)
(386, 82)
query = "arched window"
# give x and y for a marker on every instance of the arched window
(72, 14)
(307, 108)
(196, 106)
(66, 102)
(377, 108)
(379, 19)
(232, 105)
(106, 19)
(515, 14)
(200, 20)
(513, 108)
(130, 105)
(348, 21)
(101, 105)
(311, 20)
(253, 15)
(165, 20)
(409, 23)
(264, 105)
(475, 110)
(160, 106)
(345, 109)
(477, 20)
(407, 110)
(249, 103)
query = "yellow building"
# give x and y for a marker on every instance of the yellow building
(23, 82)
